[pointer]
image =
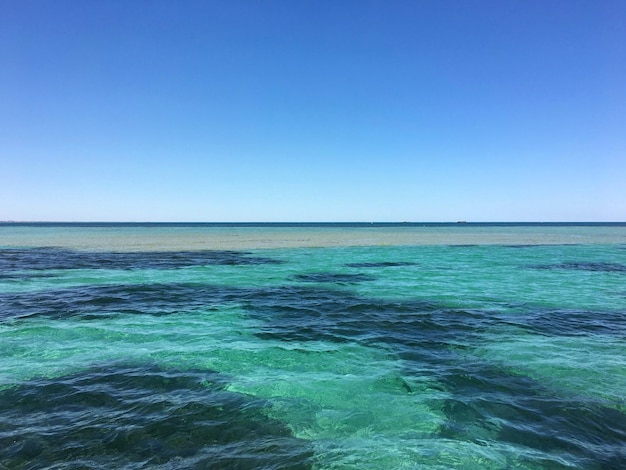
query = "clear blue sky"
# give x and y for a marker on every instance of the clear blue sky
(326, 110)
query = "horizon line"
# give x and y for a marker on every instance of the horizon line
(459, 222)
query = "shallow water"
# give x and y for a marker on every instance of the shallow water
(180, 237)
(320, 347)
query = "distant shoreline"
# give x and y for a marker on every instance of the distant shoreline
(308, 224)
(177, 236)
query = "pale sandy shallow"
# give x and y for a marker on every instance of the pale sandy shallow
(246, 238)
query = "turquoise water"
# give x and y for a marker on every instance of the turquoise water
(313, 346)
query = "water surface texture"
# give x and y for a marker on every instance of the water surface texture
(313, 346)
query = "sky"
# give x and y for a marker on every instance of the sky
(326, 110)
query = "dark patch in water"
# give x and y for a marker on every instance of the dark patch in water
(382, 264)
(102, 301)
(299, 313)
(540, 245)
(119, 416)
(523, 246)
(61, 258)
(489, 403)
(571, 322)
(23, 276)
(337, 278)
(599, 266)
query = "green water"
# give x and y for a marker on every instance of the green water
(365, 395)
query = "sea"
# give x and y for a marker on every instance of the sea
(312, 346)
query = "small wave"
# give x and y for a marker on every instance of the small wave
(118, 415)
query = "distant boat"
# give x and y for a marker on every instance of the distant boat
(462, 222)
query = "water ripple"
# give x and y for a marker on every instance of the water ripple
(12, 259)
(117, 415)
